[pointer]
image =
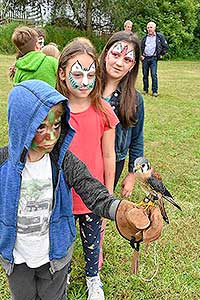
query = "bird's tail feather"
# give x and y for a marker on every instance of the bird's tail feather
(163, 211)
(171, 200)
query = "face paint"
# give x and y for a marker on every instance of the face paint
(51, 116)
(48, 132)
(118, 50)
(33, 145)
(75, 85)
(78, 71)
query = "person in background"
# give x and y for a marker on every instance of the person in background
(128, 25)
(94, 121)
(41, 36)
(51, 50)
(153, 47)
(41, 39)
(119, 63)
(37, 174)
(32, 63)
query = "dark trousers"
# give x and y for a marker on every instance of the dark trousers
(37, 283)
(150, 63)
(90, 229)
(118, 171)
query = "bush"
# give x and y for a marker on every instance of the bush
(6, 31)
(59, 35)
(178, 49)
(63, 35)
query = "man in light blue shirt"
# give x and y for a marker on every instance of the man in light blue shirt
(153, 47)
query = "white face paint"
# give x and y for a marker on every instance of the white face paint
(82, 77)
(118, 49)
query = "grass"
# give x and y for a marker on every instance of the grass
(172, 135)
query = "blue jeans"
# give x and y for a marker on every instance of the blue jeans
(150, 63)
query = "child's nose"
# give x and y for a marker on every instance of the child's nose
(119, 61)
(85, 81)
(50, 135)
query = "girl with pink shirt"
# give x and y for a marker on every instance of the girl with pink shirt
(93, 119)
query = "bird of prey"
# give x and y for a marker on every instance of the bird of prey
(153, 185)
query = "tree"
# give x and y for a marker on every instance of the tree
(84, 14)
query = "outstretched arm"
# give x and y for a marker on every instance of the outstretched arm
(131, 220)
(94, 194)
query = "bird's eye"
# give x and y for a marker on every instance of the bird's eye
(143, 165)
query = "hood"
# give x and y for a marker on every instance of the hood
(30, 61)
(28, 105)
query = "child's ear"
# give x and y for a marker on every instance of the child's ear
(62, 74)
(37, 46)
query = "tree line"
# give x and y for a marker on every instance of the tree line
(178, 20)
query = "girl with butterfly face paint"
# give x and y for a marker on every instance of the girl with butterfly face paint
(93, 119)
(119, 62)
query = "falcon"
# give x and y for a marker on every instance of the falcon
(153, 185)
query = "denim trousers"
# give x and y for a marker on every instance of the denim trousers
(150, 63)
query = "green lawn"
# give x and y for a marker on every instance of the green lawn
(172, 143)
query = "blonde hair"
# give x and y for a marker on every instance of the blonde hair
(51, 50)
(25, 39)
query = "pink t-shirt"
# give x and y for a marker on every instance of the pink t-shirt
(86, 144)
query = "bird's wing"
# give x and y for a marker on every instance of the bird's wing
(159, 187)
(156, 184)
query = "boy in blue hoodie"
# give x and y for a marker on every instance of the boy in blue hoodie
(32, 64)
(37, 172)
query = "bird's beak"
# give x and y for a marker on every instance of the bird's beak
(136, 169)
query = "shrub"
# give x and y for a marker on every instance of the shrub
(59, 35)
(6, 31)
(180, 46)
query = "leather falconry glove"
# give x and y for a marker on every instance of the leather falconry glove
(136, 224)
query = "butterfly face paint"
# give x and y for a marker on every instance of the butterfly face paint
(80, 77)
(120, 50)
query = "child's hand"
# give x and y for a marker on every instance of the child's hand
(128, 185)
(11, 71)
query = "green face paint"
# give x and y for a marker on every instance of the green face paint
(75, 85)
(51, 116)
(73, 82)
(52, 135)
(90, 86)
(86, 74)
(33, 145)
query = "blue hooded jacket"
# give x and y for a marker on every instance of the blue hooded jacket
(28, 104)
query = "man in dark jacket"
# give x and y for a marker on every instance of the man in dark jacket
(153, 47)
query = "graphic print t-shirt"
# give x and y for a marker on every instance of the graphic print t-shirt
(34, 211)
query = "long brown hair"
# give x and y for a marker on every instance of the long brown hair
(80, 46)
(128, 100)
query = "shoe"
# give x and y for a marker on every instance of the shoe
(155, 94)
(68, 279)
(144, 92)
(95, 288)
